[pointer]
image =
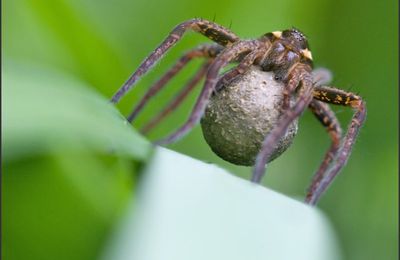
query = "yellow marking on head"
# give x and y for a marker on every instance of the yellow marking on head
(277, 34)
(306, 53)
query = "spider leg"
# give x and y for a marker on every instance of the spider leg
(339, 97)
(229, 76)
(289, 90)
(327, 117)
(223, 81)
(178, 99)
(320, 76)
(211, 30)
(303, 99)
(207, 51)
(226, 56)
(295, 75)
(226, 78)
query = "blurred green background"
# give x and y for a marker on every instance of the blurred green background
(100, 43)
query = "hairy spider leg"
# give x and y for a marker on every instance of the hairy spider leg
(339, 97)
(290, 88)
(303, 99)
(224, 80)
(328, 119)
(213, 31)
(203, 51)
(190, 85)
(320, 76)
(240, 69)
(226, 56)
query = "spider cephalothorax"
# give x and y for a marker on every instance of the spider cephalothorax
(286, 48)
(284, 53)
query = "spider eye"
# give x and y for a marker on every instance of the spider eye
(296, 36)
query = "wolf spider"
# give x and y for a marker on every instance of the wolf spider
(286, 54)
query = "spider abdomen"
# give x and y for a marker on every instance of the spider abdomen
(240, 115)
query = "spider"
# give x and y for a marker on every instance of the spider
(284, 53)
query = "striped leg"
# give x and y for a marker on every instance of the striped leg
(178, 99)
(223, 81)
(326, 116)
(303, 99)
(226, 56)
(226, 79)
(213, 31)
(206, 51)
(339, 97)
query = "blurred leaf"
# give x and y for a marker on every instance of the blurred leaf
(193, 210)
(44, 109)
(69, 165)
(61, 35)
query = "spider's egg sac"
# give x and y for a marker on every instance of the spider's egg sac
(241, 114)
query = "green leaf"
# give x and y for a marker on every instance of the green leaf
(188, 209)
(69, 165)
(44, 109)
